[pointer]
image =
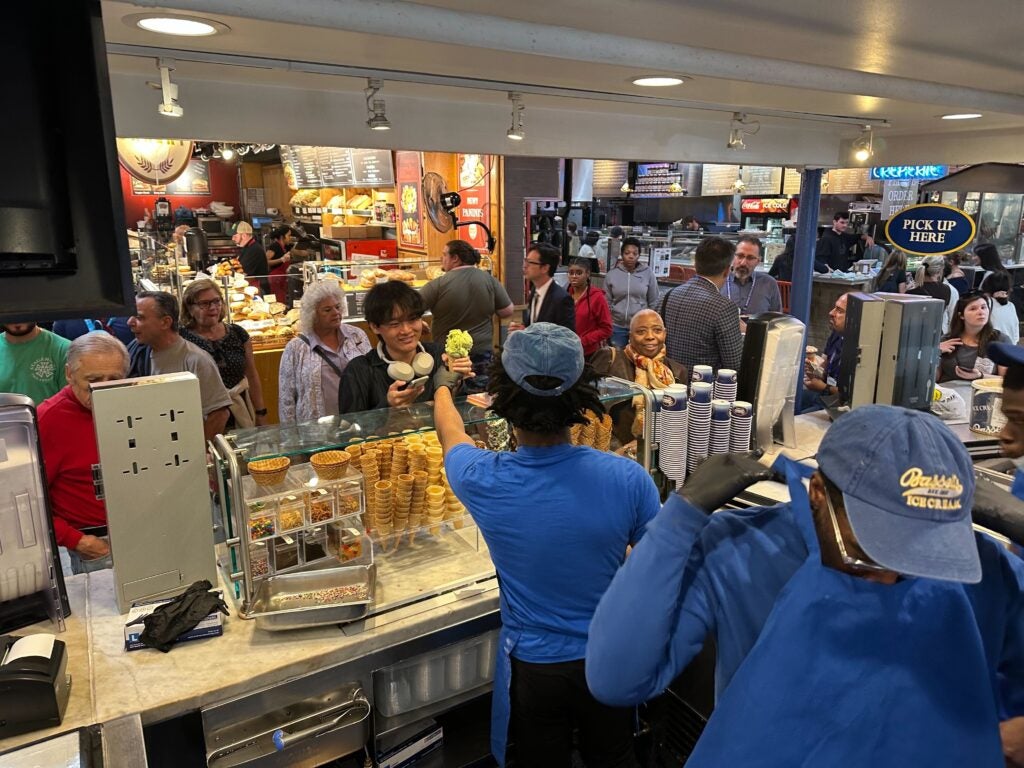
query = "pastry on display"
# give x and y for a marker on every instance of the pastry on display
(434, 272)
(401, 274)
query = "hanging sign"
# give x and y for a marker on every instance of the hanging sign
(661, 261)
(474, 188)
(410, 207)
(919, 172)
(154, 161)
(897, 195)
(930, 230)
(765, 205)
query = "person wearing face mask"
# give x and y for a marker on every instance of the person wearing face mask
(863, 622)
(68, 440)
(965, 348)
(1003, 313)
(630, 287)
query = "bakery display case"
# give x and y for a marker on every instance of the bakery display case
(352, 516)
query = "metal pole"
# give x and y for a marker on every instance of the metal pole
(803, 254)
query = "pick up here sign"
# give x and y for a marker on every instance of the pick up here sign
(930, 229)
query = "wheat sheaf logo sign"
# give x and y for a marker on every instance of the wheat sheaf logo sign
(154, 161)
(931, 491)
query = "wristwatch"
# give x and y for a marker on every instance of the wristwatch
(261, 412)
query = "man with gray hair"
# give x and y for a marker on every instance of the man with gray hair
(68, 440)
(158, 348)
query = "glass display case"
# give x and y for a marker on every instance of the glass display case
(351, 515)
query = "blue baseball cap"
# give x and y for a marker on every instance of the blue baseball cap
(908, 485)
(1001, 353)
(543, 349)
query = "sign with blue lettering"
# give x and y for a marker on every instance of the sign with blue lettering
(922, 172)
(930, 230)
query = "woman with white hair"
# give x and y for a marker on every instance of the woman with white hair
(313, 361)
(930, 283)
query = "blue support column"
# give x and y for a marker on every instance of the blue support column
(803, 255)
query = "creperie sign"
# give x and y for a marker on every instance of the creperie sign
(765, 205)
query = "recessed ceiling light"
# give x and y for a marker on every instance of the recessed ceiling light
(962, 116)
(657, 81)
(183, 26)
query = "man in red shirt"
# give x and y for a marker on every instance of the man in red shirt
(70, 453)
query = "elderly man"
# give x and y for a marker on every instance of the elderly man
(557, 519)
(31, 361)
(253, 257)
(863, 622)
(158, 348)
(751, 291)
(466, 298)
(68, 440)
(703, 325)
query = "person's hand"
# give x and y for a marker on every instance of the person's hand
(815, 384)
(868, 240)
(460, 365)
(514, 326)
(721, 477)
(92, 547)
(1012, 733)
(967, 375)
(984, 366)
(261, 421)
(949, 345)
(400, 394)
(287, 258)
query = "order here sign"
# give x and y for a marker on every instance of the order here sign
(930, 229)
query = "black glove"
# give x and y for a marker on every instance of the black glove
(998, 510)
(171, 620)
(445, 378)
(720, 478)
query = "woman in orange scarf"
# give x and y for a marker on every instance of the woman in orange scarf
(643, 362)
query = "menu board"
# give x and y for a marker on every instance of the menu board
(791, 181)
(194, 180)
(852, 181)
(474, 188)
(719, 179)
(761, 179)
(609, 176)
(410, 203)
(314, 167)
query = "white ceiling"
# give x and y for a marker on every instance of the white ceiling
(972, 51)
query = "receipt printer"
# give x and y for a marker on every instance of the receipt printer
(34, 684)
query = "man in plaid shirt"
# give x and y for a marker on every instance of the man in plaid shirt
(703, 325)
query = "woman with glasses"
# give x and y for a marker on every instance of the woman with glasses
(203, 323)
(965, 348)
(593, 318)
(401, 369)
(315, 361)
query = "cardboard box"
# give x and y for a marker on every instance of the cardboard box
(211, 626)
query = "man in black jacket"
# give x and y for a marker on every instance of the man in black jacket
(835, 245)
(548, 302)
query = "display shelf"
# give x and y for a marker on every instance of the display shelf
(333, 432)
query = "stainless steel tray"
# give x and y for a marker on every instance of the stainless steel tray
(293, 600)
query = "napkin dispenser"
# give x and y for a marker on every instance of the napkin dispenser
(34, 688)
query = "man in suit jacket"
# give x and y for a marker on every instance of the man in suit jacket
(548, 302)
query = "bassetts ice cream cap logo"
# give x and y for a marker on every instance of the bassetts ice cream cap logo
(924, 491)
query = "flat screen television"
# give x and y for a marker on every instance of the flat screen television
(63, 244)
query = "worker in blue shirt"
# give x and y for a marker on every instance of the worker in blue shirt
(1011, 438)
(861, 623)
(557, 519)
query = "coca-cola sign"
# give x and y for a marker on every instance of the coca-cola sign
(765, 205)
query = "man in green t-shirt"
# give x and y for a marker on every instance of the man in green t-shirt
(32, 361)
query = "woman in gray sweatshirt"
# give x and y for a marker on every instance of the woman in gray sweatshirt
(630, 286)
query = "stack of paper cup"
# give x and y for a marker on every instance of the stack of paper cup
(725, 384)
(742, 419)
(672, 430)
(703, 373)
(720, 418)
(699, 436)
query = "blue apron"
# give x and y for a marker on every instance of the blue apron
(850, 672)
(501, 697)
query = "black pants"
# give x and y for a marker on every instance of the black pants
(548, 702)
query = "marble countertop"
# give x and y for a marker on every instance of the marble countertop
(109, 682)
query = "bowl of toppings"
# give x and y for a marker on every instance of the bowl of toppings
(269, 471)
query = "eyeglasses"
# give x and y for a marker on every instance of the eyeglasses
(535, 263)
(848, 560)
(209, 304)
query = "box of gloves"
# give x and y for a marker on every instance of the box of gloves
(209, 626)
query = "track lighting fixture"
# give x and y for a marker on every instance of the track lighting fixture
(739, 127)
(227, 153)
(169, 106)
(516, 131)
(625, 187)
(864, 145)
(376, 110)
